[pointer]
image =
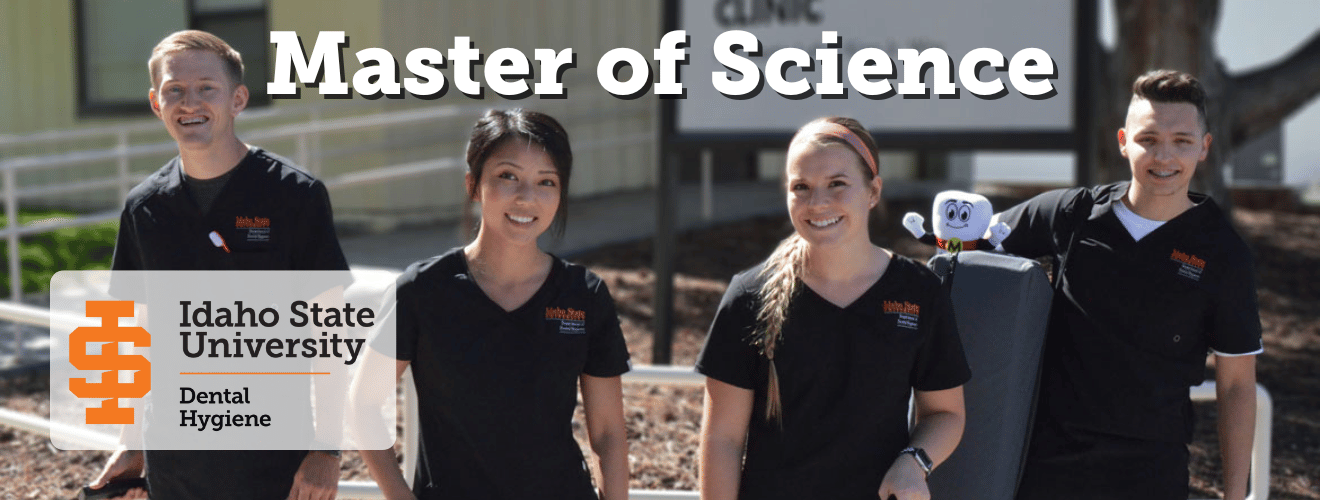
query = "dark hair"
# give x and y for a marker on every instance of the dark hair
(497, 127)
(784, 269)
(180, 41)
(1166, 85)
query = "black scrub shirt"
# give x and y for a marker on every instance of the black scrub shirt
(272, 216)
(497, 389)
(1130, 328)
(845, 376)
(1133, 320)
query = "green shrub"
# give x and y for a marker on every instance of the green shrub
(43, 255)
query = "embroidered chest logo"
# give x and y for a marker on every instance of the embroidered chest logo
(257, 229)
(571, 321)
(907, 313)
(1190, 266)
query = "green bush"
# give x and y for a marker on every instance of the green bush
(43, 255)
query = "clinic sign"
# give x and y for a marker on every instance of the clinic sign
(941, 66)
(261, 360)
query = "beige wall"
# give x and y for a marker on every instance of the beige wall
(38, 53)
(36, 66)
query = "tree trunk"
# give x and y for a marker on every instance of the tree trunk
(1179, 34)
(1164, 34)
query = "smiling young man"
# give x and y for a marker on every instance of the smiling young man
(1152, 278)
(221, 205)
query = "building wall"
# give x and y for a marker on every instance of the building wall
(37, 57)
(38, 50)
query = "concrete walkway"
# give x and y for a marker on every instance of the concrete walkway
(592, 223)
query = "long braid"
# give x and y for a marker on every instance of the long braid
(782, 273)
(784, 270)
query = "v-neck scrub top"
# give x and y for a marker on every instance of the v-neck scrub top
(497, 389)
(845, 375)
(272, 216)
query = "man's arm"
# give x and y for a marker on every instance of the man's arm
(1235, 388)
(1033, 223)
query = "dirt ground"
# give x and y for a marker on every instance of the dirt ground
(663, 422)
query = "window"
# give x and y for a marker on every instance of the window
(115, 39)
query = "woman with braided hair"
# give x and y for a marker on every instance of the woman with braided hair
(813, 353)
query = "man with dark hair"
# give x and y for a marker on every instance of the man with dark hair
(1149, 279)
(188, 216)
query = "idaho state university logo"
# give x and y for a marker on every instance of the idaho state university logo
(908, 313)
(571, 321)
(110, 388)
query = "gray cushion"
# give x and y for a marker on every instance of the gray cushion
(1002, 303)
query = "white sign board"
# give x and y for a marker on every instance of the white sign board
(955, 26)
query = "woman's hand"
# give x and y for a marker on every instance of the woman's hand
(905, 480)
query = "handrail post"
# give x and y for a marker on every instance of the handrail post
(11, 216)
(1261, 450)
(15, 268)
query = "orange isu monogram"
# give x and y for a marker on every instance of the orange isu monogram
(905, 307)
(565, 314)
(242, 222)
(1190, 260)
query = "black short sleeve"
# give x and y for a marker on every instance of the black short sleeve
(320, 246)
(728, 356)
(607, 353)
(1236, 317)
(1035, 223)
(940, 363)
(126, 286)
(397, 315)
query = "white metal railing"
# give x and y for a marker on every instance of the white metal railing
(306, 134)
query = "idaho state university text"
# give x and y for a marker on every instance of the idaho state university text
(286, 345)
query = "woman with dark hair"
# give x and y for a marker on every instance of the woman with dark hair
(813, 353)
(500, 335)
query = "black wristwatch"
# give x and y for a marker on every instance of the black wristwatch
(923, 460)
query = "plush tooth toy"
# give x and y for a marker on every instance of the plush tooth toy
(962, 222)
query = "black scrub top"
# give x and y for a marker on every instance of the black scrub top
(845, 376)
(1133, 320)
(496, 389)
(272, 216)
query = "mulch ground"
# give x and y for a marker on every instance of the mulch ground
(663, 422)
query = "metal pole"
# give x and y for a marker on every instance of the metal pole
(665, 243)
(707, 190)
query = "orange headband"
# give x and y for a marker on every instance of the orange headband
(835, 130)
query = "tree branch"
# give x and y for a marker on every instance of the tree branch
(1263, 98)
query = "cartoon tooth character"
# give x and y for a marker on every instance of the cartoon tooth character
(962, 222)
